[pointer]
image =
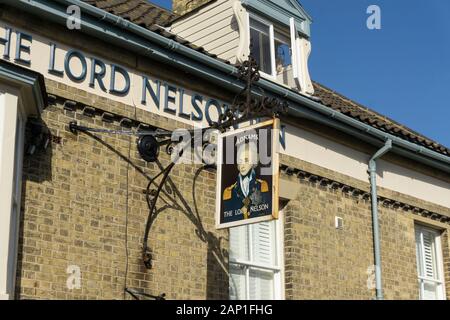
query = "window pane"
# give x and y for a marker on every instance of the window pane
(261, 284)
(260, 45)
(283, 60)
(261, 27)
(429, 291)
(237, 282)
(239, 246)
(283, 57)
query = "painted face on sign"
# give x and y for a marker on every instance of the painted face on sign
(247, 158)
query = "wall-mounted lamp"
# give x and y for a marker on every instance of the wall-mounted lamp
(39, 138)
(148, 148)
(147, 143)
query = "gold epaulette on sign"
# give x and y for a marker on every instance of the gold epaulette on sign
(227, 192)
(264, 185)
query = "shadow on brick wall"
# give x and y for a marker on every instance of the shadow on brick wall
(37, 160)
(217, 257)
(171, 198)
(37, 168)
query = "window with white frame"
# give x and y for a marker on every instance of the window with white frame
(256, 261)
(12, 129)
(17, 187)
(272, 50)
(429, 263)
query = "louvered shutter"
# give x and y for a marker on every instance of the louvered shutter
(263, 252)
(429, 258)
(263, 243)
(261, 284)
(427, 264)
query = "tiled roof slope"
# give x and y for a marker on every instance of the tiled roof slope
(151, 17)
(348, 107)
(147, 15)
(140, 12)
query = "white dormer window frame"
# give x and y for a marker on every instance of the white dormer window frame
(290, 25)
(268, 24)
(272, 39)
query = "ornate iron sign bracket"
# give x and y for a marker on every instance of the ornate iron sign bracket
(246, 106)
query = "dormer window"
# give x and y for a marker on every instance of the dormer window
(271, 47)
(279, 31)
(272, 50)
(261, 39)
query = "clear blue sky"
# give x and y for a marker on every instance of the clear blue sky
(401, 71)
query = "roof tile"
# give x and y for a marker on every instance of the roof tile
(344, 105)
(139, 12)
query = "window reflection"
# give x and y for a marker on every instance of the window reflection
(260, 45)
(283, 59)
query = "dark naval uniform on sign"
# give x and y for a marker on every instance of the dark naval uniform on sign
(245, 194)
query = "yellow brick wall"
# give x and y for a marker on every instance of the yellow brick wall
(75, 213)
(322, 262)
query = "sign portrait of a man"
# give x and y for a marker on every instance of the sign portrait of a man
(246, 188)
(247, 191)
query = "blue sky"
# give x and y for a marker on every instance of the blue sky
(401, 71)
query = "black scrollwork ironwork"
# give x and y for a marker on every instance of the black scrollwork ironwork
(137, 294)
(247, 105)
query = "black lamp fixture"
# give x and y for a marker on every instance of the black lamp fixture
(148, 148)
(39, 138)
(147, 143)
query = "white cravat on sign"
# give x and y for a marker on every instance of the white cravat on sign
(245, 183)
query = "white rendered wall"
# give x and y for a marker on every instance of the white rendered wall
(315, 149)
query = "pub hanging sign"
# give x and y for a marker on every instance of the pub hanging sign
(247, 174)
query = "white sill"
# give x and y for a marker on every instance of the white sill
(274, 79)
(4, 296)
(267, 76)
